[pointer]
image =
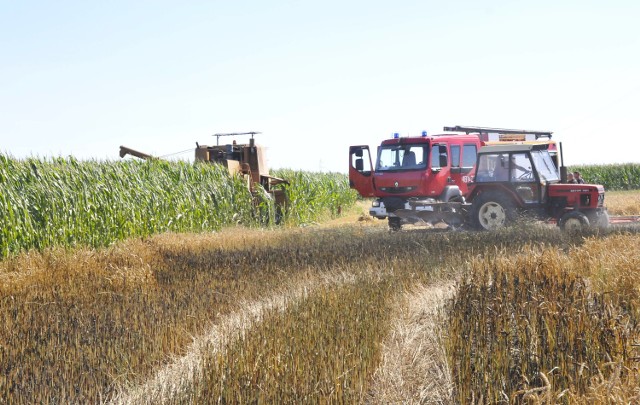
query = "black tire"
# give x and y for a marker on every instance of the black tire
(394, 224)
(491, 211)
(573, 221)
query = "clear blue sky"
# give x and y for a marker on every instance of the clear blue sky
(82, 78)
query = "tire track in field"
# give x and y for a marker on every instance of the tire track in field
(175, 379)
(414, 369)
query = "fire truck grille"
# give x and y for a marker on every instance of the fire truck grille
(398, 190)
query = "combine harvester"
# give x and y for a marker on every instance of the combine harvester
(483, 177)
(247, 160)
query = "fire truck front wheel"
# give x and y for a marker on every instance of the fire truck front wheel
(395, 224)
(492, 211)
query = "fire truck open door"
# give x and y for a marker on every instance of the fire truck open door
(361, 170)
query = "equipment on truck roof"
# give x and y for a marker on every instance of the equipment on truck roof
(501, 131)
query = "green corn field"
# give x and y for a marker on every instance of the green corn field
(67, 202)
(613, 177)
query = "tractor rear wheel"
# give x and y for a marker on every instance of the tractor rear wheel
(492, 211)
(573, 221)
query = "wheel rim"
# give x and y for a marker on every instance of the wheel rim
(492, 215)
(573, 224)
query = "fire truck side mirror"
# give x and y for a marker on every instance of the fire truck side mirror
(358, 153)
(359, 163)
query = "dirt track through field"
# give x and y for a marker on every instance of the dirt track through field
(175, 378)
(413, 368)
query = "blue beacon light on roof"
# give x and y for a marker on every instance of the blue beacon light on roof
(424, 133)
(396, 135)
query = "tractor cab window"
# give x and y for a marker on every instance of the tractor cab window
(544, 165)
(493, 167)
(401, 157)
(521, 168)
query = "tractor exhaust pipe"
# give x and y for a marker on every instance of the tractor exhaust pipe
(563, 168)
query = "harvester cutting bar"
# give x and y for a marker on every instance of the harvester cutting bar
(469, 130)
(628, 219)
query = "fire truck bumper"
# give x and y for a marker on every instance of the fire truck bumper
(422, 211)
(378, 210)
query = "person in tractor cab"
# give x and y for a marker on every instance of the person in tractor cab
(570, 178)
(578, 177)
(501, 169)
(519, 169)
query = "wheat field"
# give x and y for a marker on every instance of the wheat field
(347, 313)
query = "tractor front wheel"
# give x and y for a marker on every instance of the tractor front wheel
(573, 221)
(492, 211)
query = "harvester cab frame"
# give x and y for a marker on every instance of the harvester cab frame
(248, 159)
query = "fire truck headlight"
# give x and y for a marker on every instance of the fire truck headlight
(375, 203)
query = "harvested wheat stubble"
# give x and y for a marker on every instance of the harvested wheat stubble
(414, 367)
(175, 379)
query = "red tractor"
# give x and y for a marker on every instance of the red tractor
(523, 179)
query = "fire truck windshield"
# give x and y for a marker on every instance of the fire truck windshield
(401, 157)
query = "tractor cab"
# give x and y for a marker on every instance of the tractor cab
(512, 178)
(524, 171)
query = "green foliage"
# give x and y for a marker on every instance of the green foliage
(314, 196)
(612, 177)
(67, 202)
